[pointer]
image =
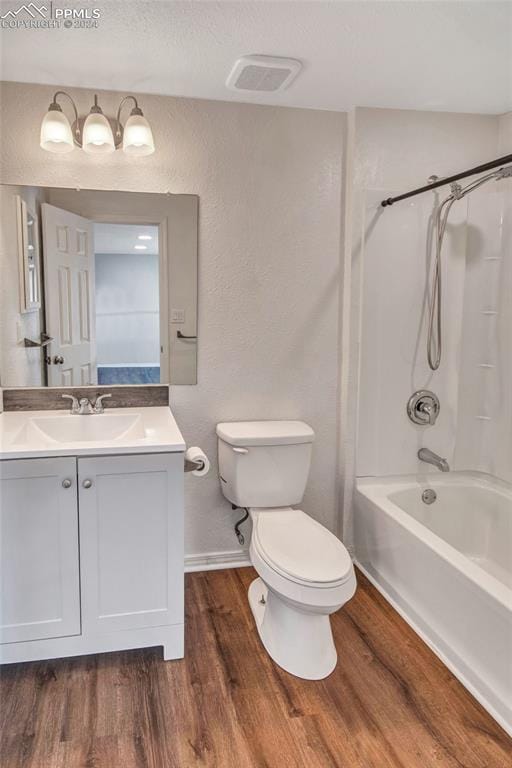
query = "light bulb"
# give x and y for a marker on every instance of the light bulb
(97, 134)
(56, 134)
(137, 136)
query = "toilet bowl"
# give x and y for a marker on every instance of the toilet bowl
(304, 572)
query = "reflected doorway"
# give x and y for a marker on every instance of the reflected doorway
(127, 305)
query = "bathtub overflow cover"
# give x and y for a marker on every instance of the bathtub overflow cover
(429, 496)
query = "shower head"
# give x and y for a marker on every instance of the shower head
(458, 192)
(504, 173)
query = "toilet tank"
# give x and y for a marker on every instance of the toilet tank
(264, 463)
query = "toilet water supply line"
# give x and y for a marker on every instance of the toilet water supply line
(239, 534)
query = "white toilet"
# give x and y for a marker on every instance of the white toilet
(305, 572)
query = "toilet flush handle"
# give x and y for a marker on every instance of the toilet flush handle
(240, 450)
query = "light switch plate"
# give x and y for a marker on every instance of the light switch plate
(177, 315)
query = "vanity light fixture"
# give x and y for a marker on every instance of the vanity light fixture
(140, 247)
(96, 133)
(144, 237)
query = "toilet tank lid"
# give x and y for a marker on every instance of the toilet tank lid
(247, 433)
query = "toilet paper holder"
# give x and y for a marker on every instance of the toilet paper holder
(191, 466)
(196, 461)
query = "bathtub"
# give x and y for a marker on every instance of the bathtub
(447, 568)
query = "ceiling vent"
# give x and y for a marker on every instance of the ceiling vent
(263, 73)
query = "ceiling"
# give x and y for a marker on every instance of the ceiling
(122, 239)
(454, 56)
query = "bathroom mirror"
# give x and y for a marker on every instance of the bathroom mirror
(97, 287)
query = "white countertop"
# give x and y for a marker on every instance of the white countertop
(36, 434)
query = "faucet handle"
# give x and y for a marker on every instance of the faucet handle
(98, 404)
(75, 407)
(429, 409)
(423, 407)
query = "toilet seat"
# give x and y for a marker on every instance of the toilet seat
(299, 548)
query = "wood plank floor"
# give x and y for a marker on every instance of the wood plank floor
(389, 704)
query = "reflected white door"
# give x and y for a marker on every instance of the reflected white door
(69, 297)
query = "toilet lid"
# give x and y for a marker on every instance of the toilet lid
(295, 544)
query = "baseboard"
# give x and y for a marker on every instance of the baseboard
(214, 561)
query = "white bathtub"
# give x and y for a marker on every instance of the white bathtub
(447, 568)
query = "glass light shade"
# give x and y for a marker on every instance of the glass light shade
(137, 136)
(56, 135)
(97, 134)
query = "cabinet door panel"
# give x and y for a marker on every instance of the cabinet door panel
(39, 580)
(131, 541)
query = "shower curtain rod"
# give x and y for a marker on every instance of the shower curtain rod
(449, 179)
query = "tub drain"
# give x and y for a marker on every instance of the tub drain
(429, 496)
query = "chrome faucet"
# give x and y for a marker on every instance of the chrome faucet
(425, 454)
(84, 407)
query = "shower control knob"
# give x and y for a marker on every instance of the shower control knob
(423, 407)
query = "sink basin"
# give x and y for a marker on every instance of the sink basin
(84, 429)
(147, 429)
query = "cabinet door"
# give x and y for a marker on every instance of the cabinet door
(131, 541)
(39, 574)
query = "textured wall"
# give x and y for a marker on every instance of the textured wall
(269, 182)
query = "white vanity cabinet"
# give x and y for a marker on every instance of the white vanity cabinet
(131, 551)
(39, 575)
(91, 555)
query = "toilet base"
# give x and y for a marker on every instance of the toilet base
(299, 642)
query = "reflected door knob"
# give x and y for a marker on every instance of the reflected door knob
(67, 483)
(87, 483)
(58, 360)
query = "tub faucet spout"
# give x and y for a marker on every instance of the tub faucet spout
(425, 454)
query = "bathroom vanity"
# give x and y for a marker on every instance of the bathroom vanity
(91, 533)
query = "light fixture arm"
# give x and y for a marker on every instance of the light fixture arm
(135, 111)
(96, 109)
(55, 106)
